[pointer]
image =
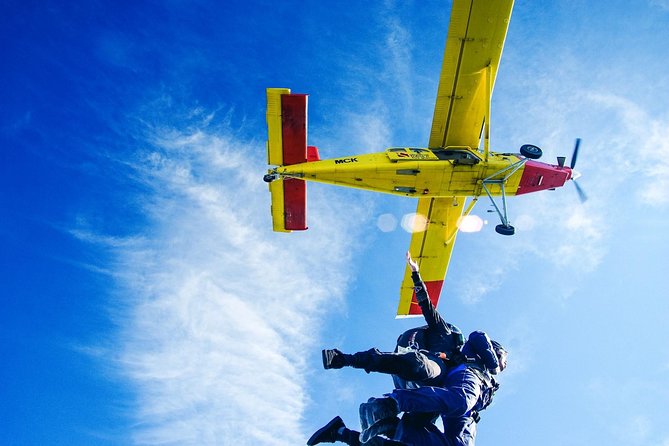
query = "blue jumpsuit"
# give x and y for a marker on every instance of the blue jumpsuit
(465, 391)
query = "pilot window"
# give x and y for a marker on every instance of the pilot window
(457, 156)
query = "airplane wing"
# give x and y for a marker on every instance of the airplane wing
(473, 50)
(432, 249)
(475, 41)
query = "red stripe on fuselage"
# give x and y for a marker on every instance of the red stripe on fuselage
(540, 176)
(433, 290)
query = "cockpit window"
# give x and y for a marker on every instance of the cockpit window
(458, 156)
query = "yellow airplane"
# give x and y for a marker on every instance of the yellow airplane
(443, 175)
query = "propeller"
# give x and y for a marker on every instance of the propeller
(574, 155)
(579, 191)
(574, 174)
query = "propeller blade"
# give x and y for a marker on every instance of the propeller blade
(574, 155)
(581, 194)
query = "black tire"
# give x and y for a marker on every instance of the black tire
(268, 178)
(530, 151)
(505, 229)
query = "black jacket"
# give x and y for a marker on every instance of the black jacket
(438, 335)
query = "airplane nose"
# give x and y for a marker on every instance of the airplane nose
(575, 174)
(541, 176)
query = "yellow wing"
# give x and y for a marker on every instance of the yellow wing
(473, 50)
(431, 248)
(475, 41)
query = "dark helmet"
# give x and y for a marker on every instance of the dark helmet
(501, 354)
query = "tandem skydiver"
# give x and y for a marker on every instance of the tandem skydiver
(464, 392)
(434, 373)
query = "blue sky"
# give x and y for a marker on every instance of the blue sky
(147, 301)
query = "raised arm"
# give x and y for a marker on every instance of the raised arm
(430, 313)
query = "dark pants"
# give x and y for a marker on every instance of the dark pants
(351, 438)
(410, 366)
(414, 429)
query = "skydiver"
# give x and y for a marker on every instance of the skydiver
(465, 391)
(424, 353)
(437, 336)
(412, 368)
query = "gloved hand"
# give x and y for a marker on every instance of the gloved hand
(413, 265)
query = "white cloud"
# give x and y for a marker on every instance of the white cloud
(216, 312)
(626, 159)
(662, 4)
(627, 413)
(370, 128)
(477, 284)
(398, 69)
(641, 148)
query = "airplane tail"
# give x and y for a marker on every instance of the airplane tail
(286, 145)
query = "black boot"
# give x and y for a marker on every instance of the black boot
(335, 359)
(328, 433)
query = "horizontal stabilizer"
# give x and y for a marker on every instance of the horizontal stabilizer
(289, 204)
(294, 128)
(274, 142)
(287, 145)
(295, 204)
(286, 127)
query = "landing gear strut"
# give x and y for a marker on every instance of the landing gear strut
(528, 151)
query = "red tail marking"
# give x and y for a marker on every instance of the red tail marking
(295, 204)
(433, 290)
(294, 128)
(312, 154)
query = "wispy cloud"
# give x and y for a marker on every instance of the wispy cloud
(398, 72)
(662, 4)
(623, 412)
(623, 159)
(217, 312)
(641, 147)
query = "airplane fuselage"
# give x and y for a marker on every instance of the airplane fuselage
(420, 172)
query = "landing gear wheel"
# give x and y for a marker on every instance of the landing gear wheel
(505, 229)
(530, 151)
(268, 178)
